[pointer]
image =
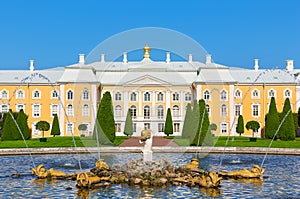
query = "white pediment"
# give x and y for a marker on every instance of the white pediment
(147, 80)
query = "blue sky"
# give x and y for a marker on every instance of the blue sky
(54, 32)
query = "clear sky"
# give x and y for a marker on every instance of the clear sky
(234, 32)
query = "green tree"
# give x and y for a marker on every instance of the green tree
(10, 130)
(203, 133)
(287, 129)
(299, 117)
(194, 122)
(104, 128)
(253, 125)
(55, 130)
(272, 120)
(240, 125)
(128, 129)
(23, 125)
(187, 128)
(169, 123)
(213, 127)
(42, 126)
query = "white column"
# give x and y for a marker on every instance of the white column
(140, 109)
(62, 110)
(231, 108)
(153, 105)
(181, 104)
(168, 99)
(125, 102)
(199, 92)
(94, 105)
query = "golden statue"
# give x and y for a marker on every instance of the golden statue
(193, 164)
(147, 50)
(255, 172)
(211, 180)
(100, 164)
(41, 172)
(84, 180)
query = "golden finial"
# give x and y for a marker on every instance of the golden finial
(147, 50)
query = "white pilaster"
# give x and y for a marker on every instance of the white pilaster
(62, 109)
(125, 101)
(153, 104)
(168, 99)
(140, 110)
(94, 105)
(198, 92)
(231, 108)
(181, 104)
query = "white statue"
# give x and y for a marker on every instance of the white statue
(147, 138)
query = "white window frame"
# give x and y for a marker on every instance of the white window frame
(176, 111)
(118, 111)
(147, 97)
(18, 96)
(224, 114)
(160, 127)
(238, 94)
(38, 92)
(69, 128)
(188, 97)
(70, 110)
(223, 128)
(70, 94)
(85, 110)
(160, 96)
(133, 111)
(258, 94)
(240, 110)
(160, 112)
(6, 94)
(118, 96)
(85, 94)
(274, 92)
(52, 110)
(134, 127)
(146, 112)
(287, 96)
(258, 110)
(147, 126)
(36, 110)
(7, 108)
(207, 106)
(53, 96)
(17, 107)
(175, 97)
(133, 97)
(206, 95)
(176, 127)
(223, 95)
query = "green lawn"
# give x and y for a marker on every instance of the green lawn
(244, 142)
(57, 142)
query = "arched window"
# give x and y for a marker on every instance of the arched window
(54, 94)
(255, 93)
(85, 110)
(36, 94)
(118, 96)
(160, 112)
(133, 96)
(146, 112)
(133, 111)
(160, 97)
(147, 97)
(271, 93)
(223, 110)
(4, 94)
(20, 94)
(175, 96)
(188, 96)
(206, 95)
(70, 110)
(238, 93)
(69, 95)
(207, 109)
(118, 111)
(85, 94)
(223, 95)
(175, 111)
(287, 93)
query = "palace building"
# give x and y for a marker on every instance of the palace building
(147, 88)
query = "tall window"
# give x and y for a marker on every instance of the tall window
(161, 127)
(54, 109)
(133, 97)
(206, 95)
(70, 128)
(20, 94)
(19, 107)
(4, 94)
(175, 96)
(146, 126)
(134, 127)
(4, 108)
(287, 93)
(160, 112)
(147, 112)
(70, 110)
(175, 111)
(224, 127)
(118, 96)
(54, 94)
(207, 108)
(133, 111)
(223, 110)
(237, 110)
(255, 110)
(271, 93)
(36, 94)
(118, 111)
(85, 94)
(255, 94)
(36, 111)
(85, 110)
(160, 97)
(223, 95)
(176, 127)
(188, 97)
(70, 95)
(147, 97)
(238, 93)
